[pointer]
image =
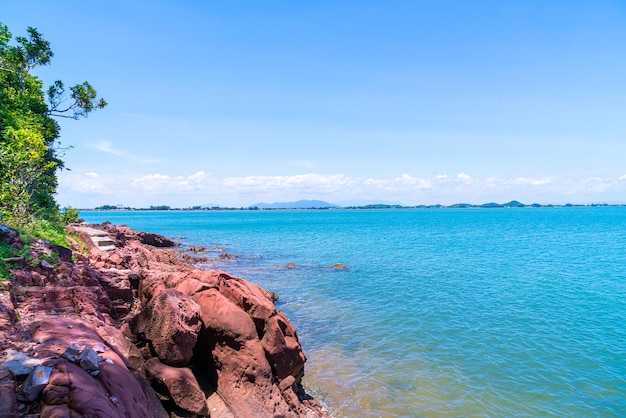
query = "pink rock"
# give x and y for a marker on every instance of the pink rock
(8, 399)
(283, 349)
(116, 285)
(179, 383)
(150, 286)
(251, 298)
(225, 318)
(244, 352)
(245, 382)
(170, 323)
(217, 407)
(7, 317)
(114, 393)
(89, 300)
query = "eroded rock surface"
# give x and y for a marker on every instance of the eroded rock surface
(129, 329)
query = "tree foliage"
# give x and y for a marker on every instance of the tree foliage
(29, 154)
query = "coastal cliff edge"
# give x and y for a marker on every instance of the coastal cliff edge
(121, 326)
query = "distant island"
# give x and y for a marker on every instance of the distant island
(320, 204)
(300, 204)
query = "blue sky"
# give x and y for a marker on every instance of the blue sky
(412, 102)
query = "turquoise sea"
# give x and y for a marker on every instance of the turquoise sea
(441, 312)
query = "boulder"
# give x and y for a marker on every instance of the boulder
(169, 323)
(245, 381)
(224, 318)
(249, 297)
(116, 390)
(72, 391)
(155, 240)
(283, 349)
(179, 383)
(150, 285)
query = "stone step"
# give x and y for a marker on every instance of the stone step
(99, 238)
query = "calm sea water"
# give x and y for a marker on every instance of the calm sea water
(443, 312)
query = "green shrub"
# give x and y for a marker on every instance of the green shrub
(45, 230)
(7, 253)
(69, 215)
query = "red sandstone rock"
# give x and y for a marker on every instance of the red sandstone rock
(170, 323)
(251, 298)
(116, 391)
(7, 314)
(8, 398)
(179, 383)
(246, 383)
(113, 393)
(247, 360)
(218, 408)
(224, 318)
(150, 286)
(283, 349)
(196, 281)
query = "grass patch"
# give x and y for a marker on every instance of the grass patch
(42, 229)
(6, 254)
(39, 229)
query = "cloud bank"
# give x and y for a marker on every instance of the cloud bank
(94, 189)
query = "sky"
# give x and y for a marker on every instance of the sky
(233, 103)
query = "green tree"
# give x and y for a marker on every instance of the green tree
(29, 153)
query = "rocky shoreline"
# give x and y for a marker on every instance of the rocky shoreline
(122, 326)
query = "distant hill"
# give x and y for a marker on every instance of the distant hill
(300, 204)
(514, 204)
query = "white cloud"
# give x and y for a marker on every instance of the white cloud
(199, 176)
(320, 182)
(106, 147)
(622, 177)
(166, 184)
(374, 182)
(531, 181)
(201, 187)
(89, 182)
(407, 180)
(464, 177)
(404, 182)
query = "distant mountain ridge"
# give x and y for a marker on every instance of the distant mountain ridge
(300, 204)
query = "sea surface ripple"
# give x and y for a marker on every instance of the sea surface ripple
(441, 312)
